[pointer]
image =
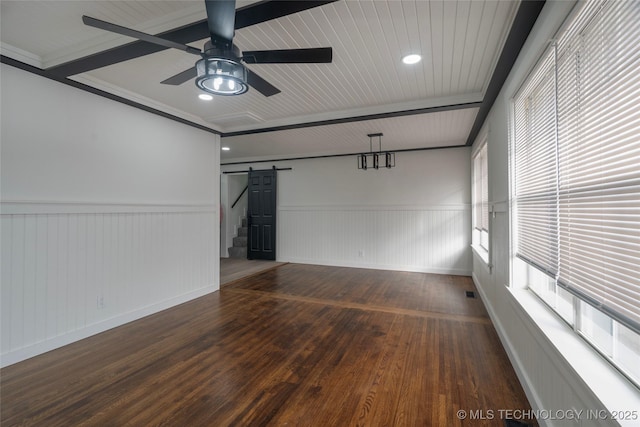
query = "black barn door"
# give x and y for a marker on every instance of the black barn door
(261, 215)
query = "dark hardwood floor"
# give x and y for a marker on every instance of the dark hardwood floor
(297, 345)
(232, 269)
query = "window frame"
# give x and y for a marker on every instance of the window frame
(480, 237)
(604, 339)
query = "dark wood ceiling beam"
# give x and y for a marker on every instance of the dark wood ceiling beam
(350, 119)
(526, 17)
(267, 10)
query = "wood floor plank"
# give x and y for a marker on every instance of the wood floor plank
(296, 345)
(232, 269)
(401, 290)
(369, 307)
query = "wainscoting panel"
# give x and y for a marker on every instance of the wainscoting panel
(68, 275)
(434, 239)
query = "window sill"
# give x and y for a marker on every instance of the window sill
(613, 390)
(481, 253)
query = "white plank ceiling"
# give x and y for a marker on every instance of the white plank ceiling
(459, 40)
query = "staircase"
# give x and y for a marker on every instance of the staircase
(239, 248)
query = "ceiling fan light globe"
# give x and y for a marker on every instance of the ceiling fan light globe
(220, 76)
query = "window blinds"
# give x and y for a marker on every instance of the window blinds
(577, 160)
(599, 194)
(536, 178)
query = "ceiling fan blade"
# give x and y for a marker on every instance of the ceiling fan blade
(289, 56)
(103, 25)
(136, 49)
(267, 10)
(182, 77)
(246, 16)
(221, 19)
(260, 84)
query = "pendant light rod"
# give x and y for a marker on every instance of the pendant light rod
(375, 135)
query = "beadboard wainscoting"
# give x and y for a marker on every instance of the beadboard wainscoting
(70, 270)
(431, 239)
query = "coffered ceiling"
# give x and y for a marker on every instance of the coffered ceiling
(460, 42)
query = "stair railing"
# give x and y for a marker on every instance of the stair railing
(238, 198)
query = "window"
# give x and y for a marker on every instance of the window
(575, 159)
(480, 236)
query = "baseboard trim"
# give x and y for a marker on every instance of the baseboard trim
(523, 377)
(36, 349)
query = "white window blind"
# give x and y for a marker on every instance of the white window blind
(536, 178)
(577, 160)
(599, 151)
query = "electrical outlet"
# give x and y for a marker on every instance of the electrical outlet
(100, 302)
(361, 253)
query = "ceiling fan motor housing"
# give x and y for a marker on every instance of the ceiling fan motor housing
(215, 50)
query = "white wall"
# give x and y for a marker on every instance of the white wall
(550, 381)
(414, 217)
(109, 213)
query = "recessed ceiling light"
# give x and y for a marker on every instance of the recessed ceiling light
(205, 97)
(412, 59)
(226, 148)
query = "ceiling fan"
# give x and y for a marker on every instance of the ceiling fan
(220, 69)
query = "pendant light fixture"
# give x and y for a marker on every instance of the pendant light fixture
(371, 160)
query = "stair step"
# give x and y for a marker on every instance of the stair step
(240, 242)
(244, 222)
(238, 252)
(242, 231)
